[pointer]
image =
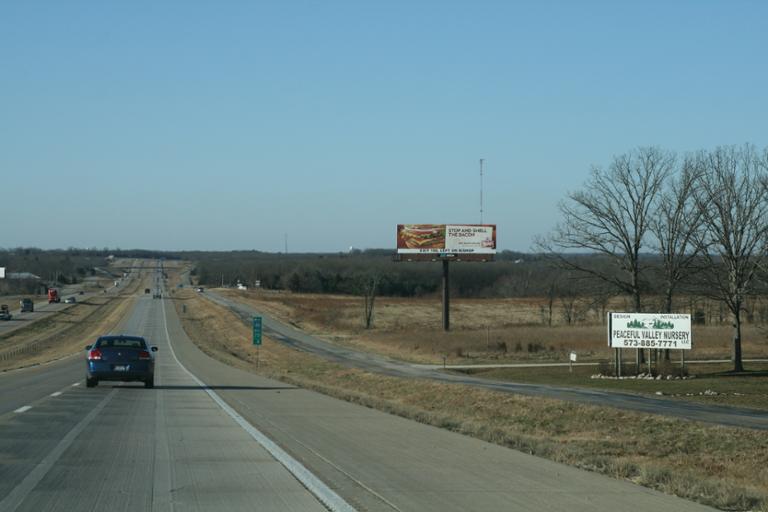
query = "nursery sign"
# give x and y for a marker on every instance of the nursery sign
(649, 330)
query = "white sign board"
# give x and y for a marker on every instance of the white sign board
(649, 330)
(2, 272)
(573, 357)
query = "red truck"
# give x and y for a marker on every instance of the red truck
(53, 295)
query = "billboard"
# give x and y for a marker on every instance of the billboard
(2, 272)
(649, 330)
(446, 239)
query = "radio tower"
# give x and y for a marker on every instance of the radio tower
(481, 189)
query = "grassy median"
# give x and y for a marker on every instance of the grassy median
(720, 466)
(67, 331)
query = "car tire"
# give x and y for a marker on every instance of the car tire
(91, 383)
(149, 383)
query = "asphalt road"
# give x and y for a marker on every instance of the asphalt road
(123, 447)
(299, 340)
(211, 437)
(44, 310)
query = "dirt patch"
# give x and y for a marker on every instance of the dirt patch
(719, 466)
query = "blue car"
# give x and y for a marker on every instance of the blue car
(120, 358)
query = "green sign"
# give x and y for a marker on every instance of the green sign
(257, 330)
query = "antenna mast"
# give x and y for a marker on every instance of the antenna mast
(481, 189)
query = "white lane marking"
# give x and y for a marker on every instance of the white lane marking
(75, 384)
(327, 461)
(57, 393)
(23, 409)
(322, 492)
(19, 493)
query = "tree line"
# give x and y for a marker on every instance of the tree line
(704, 216)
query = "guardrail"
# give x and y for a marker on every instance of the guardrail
(24, 349)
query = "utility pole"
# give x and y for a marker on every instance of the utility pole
(481, 189)
(286, 243)
(446, 298)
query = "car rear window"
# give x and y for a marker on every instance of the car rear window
(121, 343)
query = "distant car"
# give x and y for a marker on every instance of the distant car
(120, 358)
(27, 306)
(146, 290)
(70, 300)
(200, 289)
(82, 292)
(5, 312)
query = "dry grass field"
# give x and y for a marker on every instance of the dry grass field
(720, 466)
(482, 330)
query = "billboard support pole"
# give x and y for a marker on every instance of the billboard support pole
(446, 298)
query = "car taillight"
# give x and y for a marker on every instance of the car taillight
(94, 355)
(144, 355)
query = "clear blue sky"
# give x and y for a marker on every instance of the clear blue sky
(224, 125)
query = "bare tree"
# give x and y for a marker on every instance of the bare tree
(611, 217)
(675, 223)
(368, 286)
(733, 200)
(551, 294)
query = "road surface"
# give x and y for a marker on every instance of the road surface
(211, 437)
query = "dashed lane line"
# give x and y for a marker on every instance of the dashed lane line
(19, 493)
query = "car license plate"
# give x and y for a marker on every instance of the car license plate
(121, 368)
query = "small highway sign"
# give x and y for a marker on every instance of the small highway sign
(257, 330)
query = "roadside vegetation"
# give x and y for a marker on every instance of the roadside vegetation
(649, 228)
(712, 383)
(509, 331)
(67, 331)
(719, 466)
(59, 267)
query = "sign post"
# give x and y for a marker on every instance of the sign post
(446, 298)
(257, 336)
(446, 242)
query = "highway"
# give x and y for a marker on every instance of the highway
(289, 336)
(211, 437)
(44, 310)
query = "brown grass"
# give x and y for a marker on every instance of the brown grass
(483, 330)
(719, 466)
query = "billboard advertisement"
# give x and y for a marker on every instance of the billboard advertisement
(2, 272)
(455, 239)
(649, 330)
